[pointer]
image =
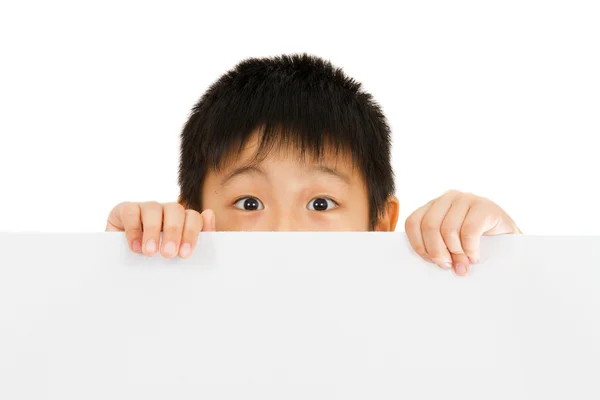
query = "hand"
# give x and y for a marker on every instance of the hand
(447, 230)
(143, 222)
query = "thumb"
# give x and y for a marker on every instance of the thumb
(208, 221)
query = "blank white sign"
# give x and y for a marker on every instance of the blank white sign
(297, 316)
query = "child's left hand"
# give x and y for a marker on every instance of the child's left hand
(447, 230)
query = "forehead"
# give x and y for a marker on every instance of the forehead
(257, 151)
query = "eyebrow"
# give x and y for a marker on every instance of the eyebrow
(253, 169)
(243, 170)
(332, 172)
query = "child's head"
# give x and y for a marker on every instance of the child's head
(288, 143)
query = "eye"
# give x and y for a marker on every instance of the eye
(321, 204)
(249, 204)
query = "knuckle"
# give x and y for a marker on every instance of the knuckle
(153, 205)
(428, 225)
(471, 254)
(469, 197)
(467, 234)
(129, 209)
(458, 196)
(122, 205)
(192, 218)
(468, 230)
(172, 230)
(420, 250)
(456, 251)
(134, 233)
(151, 229)
(468, 242)
(453, 192)
(449, 230)
(438, 255)
(174, 207)
(411, 222)
(192, 213)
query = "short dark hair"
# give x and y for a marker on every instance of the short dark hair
(300, 100)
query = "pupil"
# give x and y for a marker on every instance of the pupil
(320, 204)
(251, 204)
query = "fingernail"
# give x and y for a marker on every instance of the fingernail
(137, 246)
(151, 246)
(474, 260)
(169, 249)
(185, 250)
(446, 265)
(461, 269)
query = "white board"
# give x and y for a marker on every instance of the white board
(297, 316)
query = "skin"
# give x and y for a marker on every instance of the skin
(281, 193)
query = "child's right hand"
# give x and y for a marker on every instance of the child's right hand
(143, 222)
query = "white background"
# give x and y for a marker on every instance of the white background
(501, 99)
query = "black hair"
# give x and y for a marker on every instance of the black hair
(300, 100)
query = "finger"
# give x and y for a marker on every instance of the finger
(126, 217)
(479, 219)
(430, 229)
(113, 222)
(450, 230)
(452, 224)
(461, 264)
(173, 220)
(209, 221)
(191, 228)
(412, 227)
(152, 218)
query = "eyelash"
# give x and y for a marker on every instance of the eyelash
(248, 196)
(337, 204)
(326, 197)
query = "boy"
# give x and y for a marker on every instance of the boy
(290, 143)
